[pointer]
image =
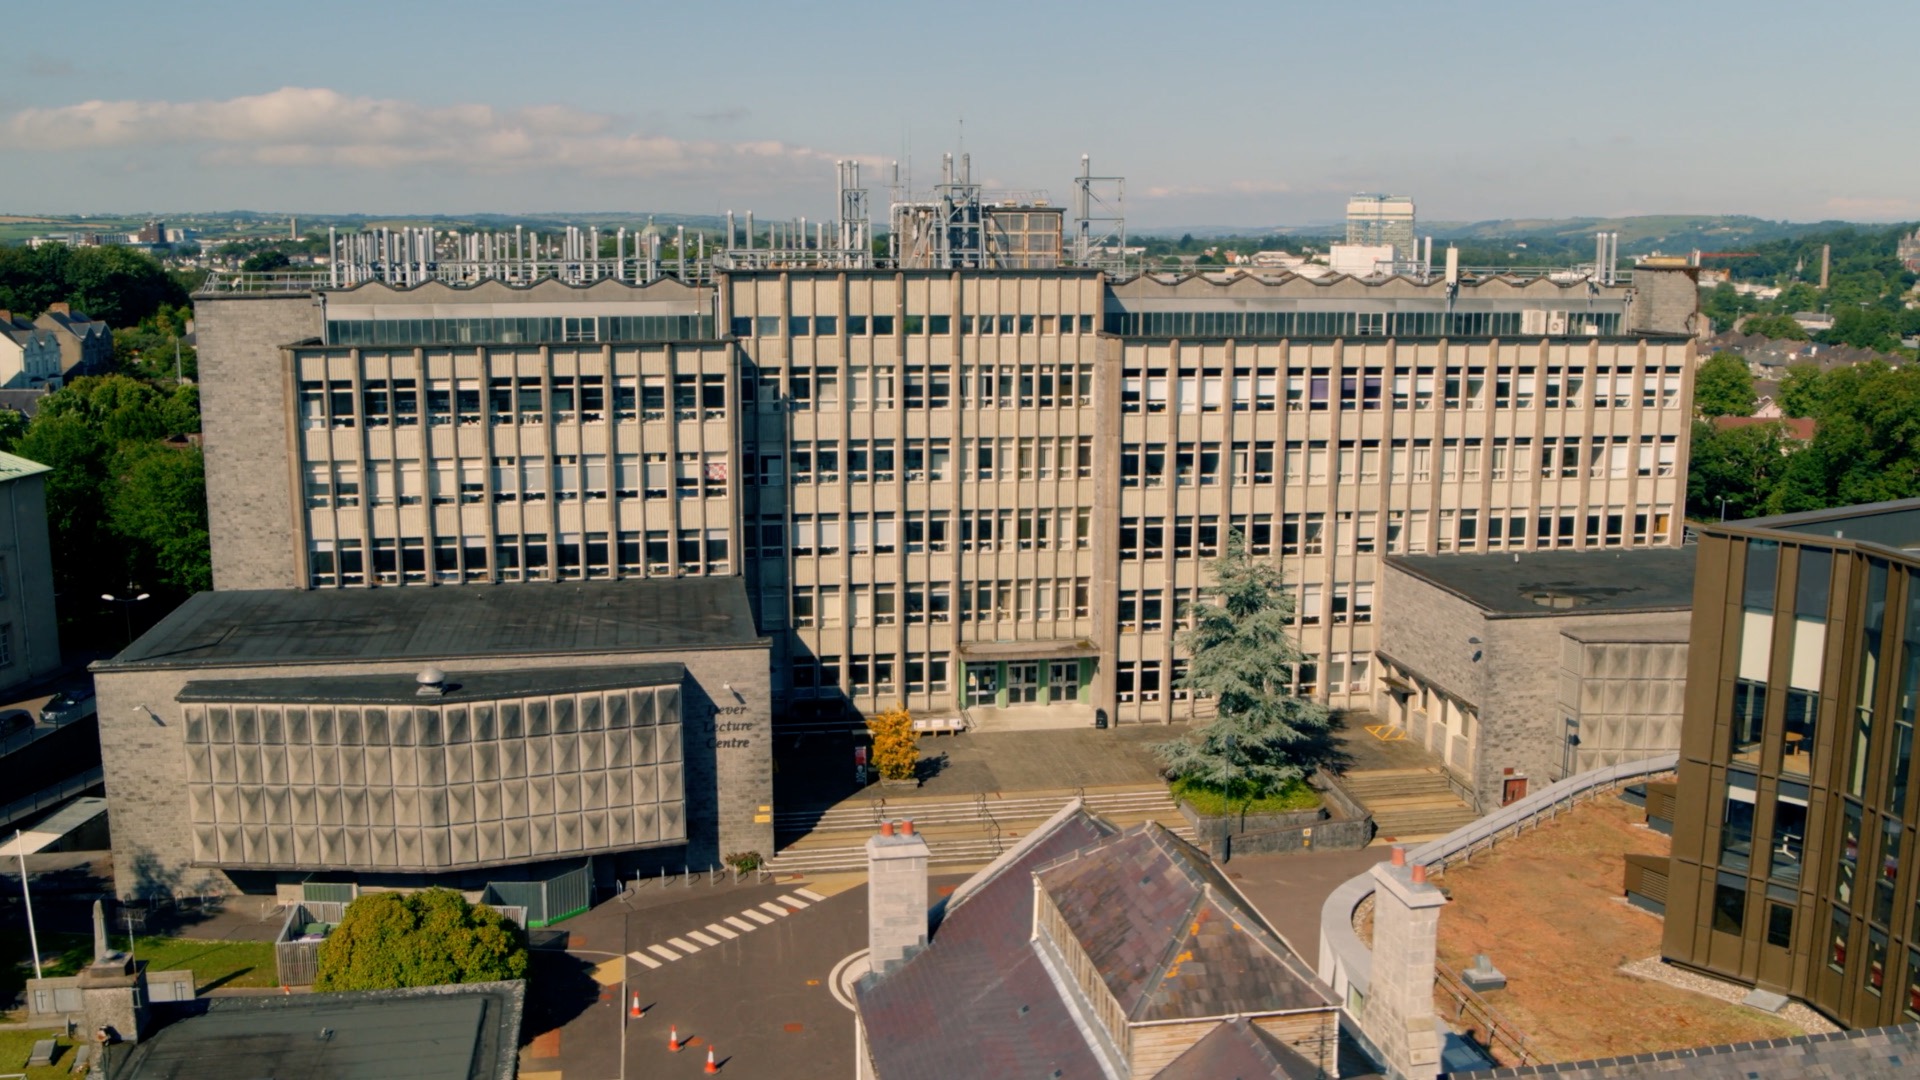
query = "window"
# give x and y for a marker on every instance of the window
(1837, 941)
(1729, 904)
(1779, 925)
(1736, 823)
(1789, 833)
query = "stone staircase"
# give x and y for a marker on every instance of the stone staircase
(958, 831)
(1409, 803)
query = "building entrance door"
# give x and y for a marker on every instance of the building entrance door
(1023, 683)
(1063, 683)
(982, 688)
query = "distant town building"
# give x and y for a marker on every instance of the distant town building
(1383, 219)
(29, 355)
(1908, 251)
(1361, 260)
(29, 630)
(86, 344)
(153, 232)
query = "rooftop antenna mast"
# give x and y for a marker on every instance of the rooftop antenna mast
(1099, 216)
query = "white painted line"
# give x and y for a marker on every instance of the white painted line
(794, 901)
(643, 958)
(722, 931)
(739, 923)
(809, 894)
(704, 939)
(776, 909)
(756, 916)
(683, 945)
(664, 952)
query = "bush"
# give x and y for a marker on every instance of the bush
(428, 938)
(744, 861)
(896, 750)
(1211, 800)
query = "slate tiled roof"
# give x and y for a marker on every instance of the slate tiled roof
(1238, 1050)
(1869, 1054)
(977, 1002)
(1170, 936)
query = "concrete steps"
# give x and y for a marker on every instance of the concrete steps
(1412, 803)
(957, 830)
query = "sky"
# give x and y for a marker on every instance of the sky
(1219, 114)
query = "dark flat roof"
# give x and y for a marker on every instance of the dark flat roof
(1583, 582)
(1883, 1053)
(469, 1032)
(404, 689)
(445, 623)
(1894, 524)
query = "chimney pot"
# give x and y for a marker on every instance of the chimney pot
(1399, 855)
(1419, 874)
(906, 827)
(886, 828)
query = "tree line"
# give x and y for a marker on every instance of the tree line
(1865, 448)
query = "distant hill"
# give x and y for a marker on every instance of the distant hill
(1672, 233)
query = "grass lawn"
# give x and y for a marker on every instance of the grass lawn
(1210, 801)
(213, 963)
(16, 1046)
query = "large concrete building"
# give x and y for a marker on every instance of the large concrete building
(436, 736)
(1793, 833)
(982, 489)
(1383, 219)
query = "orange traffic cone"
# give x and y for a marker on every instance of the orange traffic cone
(636, 1012)
(673, 1038)
(712, 1065)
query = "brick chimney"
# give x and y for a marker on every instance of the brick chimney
(62, 307)
(896, 896)
(1398, 1015)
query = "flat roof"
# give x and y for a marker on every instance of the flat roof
(467, 1032)
(1894, 524)
(1666, 631)
(1549, 583)
(460, 687)
(445, 623)
(13, 467)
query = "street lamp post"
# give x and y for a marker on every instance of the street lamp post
(126, 607)
(33, 938)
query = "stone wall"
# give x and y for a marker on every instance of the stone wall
(1339, 824)
(726, 743)
(245, 414)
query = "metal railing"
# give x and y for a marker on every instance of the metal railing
(1346, 963)
(48, 796)
(1472, 1011)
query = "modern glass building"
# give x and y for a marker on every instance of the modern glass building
(1793, 838)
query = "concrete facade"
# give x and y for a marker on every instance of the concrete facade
(29, 626)
(157, 797)
(961, 490)
(1506, 696)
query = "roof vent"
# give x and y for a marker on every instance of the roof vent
(432, 682)
(1558, 600)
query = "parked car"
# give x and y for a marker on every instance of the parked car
(14, 721)
(68, 706)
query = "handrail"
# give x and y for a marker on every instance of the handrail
(51, 794)
(1346, 962)
(1467, 1004)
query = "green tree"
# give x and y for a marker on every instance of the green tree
(1779, 327)
(1867, 445)
(1801, 392)
(434, 937)
(1733, 473)
(158, 500)
(1723, 387)
(263, 261)
(1262, 737)
(1864, 328)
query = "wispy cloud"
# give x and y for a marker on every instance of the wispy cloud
(1234, 187)
(42, 66)
(320, 127)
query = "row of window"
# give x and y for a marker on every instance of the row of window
(510, 399)
(917, 673)
(1343, 324)
(1407, 531)
(575, 477)
(767, 326)
(510, 331)
(529, 557)
(1206, 464)
(1194, 390)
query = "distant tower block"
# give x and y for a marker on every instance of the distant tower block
(1383, 219)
